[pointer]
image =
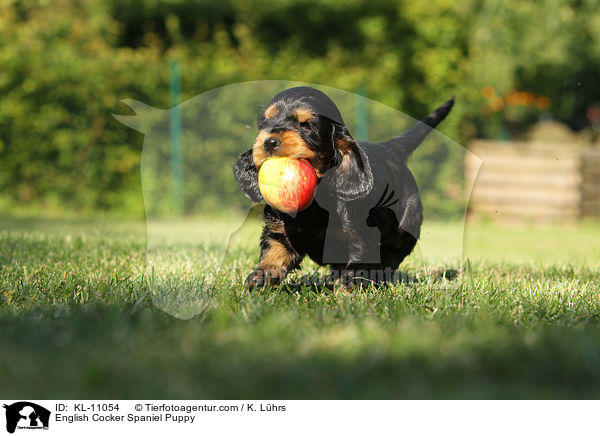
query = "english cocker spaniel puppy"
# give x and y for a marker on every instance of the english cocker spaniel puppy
(366, 216)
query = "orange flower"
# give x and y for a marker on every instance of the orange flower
(488, 92)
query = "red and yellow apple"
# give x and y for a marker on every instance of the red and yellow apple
(287, 184)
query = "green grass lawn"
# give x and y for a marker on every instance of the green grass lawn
(80, 316)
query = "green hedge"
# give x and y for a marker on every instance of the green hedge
(64, 66)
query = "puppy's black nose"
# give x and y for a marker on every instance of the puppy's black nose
(272, 143)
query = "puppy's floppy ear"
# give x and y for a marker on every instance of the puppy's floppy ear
(246, 176)
(352, 178)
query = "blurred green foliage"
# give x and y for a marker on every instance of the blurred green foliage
(65, 64)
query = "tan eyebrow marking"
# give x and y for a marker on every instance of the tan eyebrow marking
(303, 114)
(271, 111)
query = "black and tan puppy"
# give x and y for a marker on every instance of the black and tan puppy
(367, 214)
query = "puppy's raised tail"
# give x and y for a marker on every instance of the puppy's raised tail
(409, 140)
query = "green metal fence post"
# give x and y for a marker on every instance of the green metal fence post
(362, 116)
(175, 133)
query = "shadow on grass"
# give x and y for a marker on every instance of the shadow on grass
(321, 283)
(103, 352)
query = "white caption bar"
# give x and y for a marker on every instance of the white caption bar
(24, 417)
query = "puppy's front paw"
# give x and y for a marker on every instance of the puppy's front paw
(260, 278)
(255, 279)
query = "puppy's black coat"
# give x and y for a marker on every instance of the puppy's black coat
(367, 214)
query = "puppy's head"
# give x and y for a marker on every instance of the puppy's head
(303, 123)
